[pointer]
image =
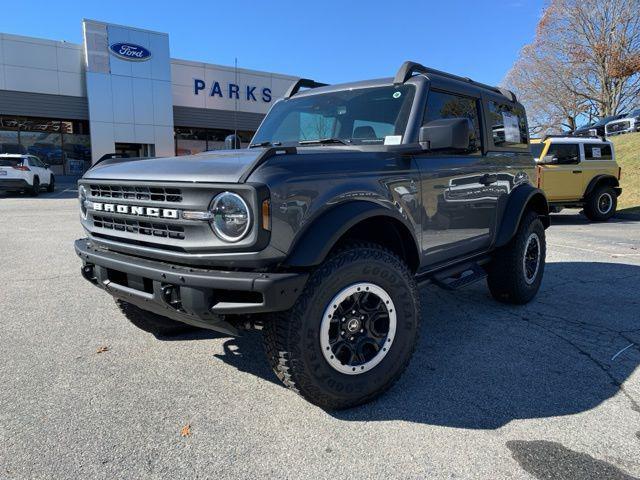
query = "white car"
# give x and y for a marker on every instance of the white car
(628, 123)
(25, 173)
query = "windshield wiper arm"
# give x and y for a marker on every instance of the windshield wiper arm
(321, 141)
(265, 144)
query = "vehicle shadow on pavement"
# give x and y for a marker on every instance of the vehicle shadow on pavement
(480, 364)
(580, 219)
(61, 193)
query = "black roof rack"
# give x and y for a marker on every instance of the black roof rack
(407, 70)
(302, 83)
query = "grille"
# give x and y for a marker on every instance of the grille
(152, 229)
(132, 192)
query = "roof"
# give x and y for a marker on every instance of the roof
(14, 155)
(407, 73)
(339, 87)
(569, 139)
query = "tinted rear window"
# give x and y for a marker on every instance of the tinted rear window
(10, 162)
(508, 125)
(597, 151)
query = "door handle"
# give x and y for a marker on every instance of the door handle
(488, 179)
(577, 171)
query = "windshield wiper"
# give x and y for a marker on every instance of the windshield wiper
(322, 141)
(265, 144)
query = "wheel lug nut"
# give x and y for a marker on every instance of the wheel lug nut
(353, 312)
(361, 330)
(351, 338)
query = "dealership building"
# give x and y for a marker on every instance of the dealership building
(121, 92)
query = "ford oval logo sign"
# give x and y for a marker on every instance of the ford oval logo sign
(130, 51)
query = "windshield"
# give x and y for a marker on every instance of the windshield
(376, 116)
(606, 120)
(536, 149)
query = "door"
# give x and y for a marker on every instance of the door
(37, 170)
(44, 174)
(458, 188)
(563, 180)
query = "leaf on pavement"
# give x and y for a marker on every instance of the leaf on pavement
(102, 349)
(186, 430)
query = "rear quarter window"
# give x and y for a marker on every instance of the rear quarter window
(597, 151)
(508, 125)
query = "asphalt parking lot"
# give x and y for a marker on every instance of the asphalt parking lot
(548, 390)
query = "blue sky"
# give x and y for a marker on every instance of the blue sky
(330, 41)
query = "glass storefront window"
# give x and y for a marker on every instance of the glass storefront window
(190, 140)
(9, 136)
(42, 138)
(63, 144)
(195, 140)
(76, 145)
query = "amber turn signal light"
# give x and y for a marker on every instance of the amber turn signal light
(266, 215)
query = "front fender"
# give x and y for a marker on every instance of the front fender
(313, 245)
(522, 198)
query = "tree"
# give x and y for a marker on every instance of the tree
(584, 62)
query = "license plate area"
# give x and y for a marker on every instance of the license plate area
(136, 282)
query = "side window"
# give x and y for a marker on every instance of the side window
(508, 125)
(446, 105)
(597, 151)
(566, 153)
(35, 162)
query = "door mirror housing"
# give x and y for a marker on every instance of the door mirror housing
(46, 165)
(232, 142)
(446, 134)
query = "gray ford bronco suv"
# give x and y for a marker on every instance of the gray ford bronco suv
(319, 232)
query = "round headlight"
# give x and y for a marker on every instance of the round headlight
(231, 219)
(82, 198)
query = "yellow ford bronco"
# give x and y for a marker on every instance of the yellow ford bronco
(578, 172)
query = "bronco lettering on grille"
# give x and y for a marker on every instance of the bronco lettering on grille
(135, 210)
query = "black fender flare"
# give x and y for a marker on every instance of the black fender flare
(521, 199)
(313, 245)
(605, 179)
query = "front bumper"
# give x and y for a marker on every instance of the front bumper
(199, 297)
(13, 184)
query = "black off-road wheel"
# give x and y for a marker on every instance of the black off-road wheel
(601, 204)
(52, 185)
(351, 333)
(35, 189)
(151, 322)
(516, 271)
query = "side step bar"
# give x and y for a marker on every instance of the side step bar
(459, 276)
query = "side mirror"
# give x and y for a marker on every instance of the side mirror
(232, 142)
(549, 159)
(46, 165)
(446, 133)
